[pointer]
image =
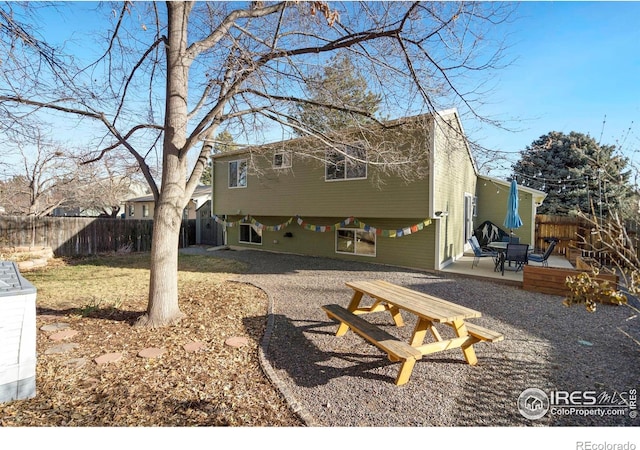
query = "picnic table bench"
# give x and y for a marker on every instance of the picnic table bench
(429, 311)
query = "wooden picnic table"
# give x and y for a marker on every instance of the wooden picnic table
(430, 310)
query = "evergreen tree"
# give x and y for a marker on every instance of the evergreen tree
(575, 171)
(345, 93)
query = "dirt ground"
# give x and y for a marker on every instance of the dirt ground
(217, 385)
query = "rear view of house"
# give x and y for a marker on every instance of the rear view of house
(305, 197)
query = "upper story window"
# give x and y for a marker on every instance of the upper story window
(238, 173)
(281, 160)
(351, 164)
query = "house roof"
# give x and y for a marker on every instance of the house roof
(437, 114)
(538, 196)
(200, 191)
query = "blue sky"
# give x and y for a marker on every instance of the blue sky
(577, 64)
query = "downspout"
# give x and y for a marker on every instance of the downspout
(432, 188)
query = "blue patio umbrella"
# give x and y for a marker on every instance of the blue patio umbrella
(512, 220)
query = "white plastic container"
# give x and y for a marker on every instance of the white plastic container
(17, 334)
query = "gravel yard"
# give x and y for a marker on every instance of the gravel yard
(344, 381)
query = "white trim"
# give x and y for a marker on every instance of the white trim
(537, 195)
(246, 165)
(534, 209)
(251, 227)
(345, 156)
(432, 174)
(470, 196)
(286, 156)
(436, 253)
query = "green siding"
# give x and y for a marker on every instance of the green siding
(382, 200)
(302, 189)
(455, 176)
(415, 250)
(492, 205)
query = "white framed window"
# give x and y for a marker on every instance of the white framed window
(132, 210)
(145, 210)
(351, 164)
(238, 173)
(281, 160)
(354, 241)
(249, 234)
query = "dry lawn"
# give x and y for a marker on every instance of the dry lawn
(100, 298)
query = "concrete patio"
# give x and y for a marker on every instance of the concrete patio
(484, 269)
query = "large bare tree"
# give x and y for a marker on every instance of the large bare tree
(170, 75)
(44, 177)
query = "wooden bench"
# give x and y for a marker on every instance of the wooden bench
(483, 334)
(396, 349)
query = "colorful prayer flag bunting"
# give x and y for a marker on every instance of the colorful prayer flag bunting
(327, 228)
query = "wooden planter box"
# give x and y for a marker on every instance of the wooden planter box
(551, 280)
(583, 263)
(573, 254)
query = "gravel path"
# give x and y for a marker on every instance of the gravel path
(344, 381)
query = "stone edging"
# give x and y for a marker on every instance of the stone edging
(293, 403)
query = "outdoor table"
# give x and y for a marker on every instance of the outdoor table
(429, 310)
(501, 248)
(498, 245)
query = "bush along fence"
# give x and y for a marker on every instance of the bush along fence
(77, 236)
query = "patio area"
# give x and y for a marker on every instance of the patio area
(484, 269)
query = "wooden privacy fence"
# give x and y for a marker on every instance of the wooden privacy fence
(567, 230)
(76, 236)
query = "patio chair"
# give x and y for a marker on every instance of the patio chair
(479, 252)
(516, 254)
(542, 258)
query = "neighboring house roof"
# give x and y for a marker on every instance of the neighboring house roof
(201, 194)
(136, 189)
(538, 196)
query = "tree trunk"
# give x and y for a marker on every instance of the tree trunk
(163, 308)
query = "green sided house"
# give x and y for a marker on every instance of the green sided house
(305, 197)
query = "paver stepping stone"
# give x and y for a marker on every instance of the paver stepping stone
(236, 341)
(47, 316)
(151, 352)
(61, 348)
(108, 358)
(57, 326)
(76, 363)
(193, 346)
(88, 383)
(62, 335)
